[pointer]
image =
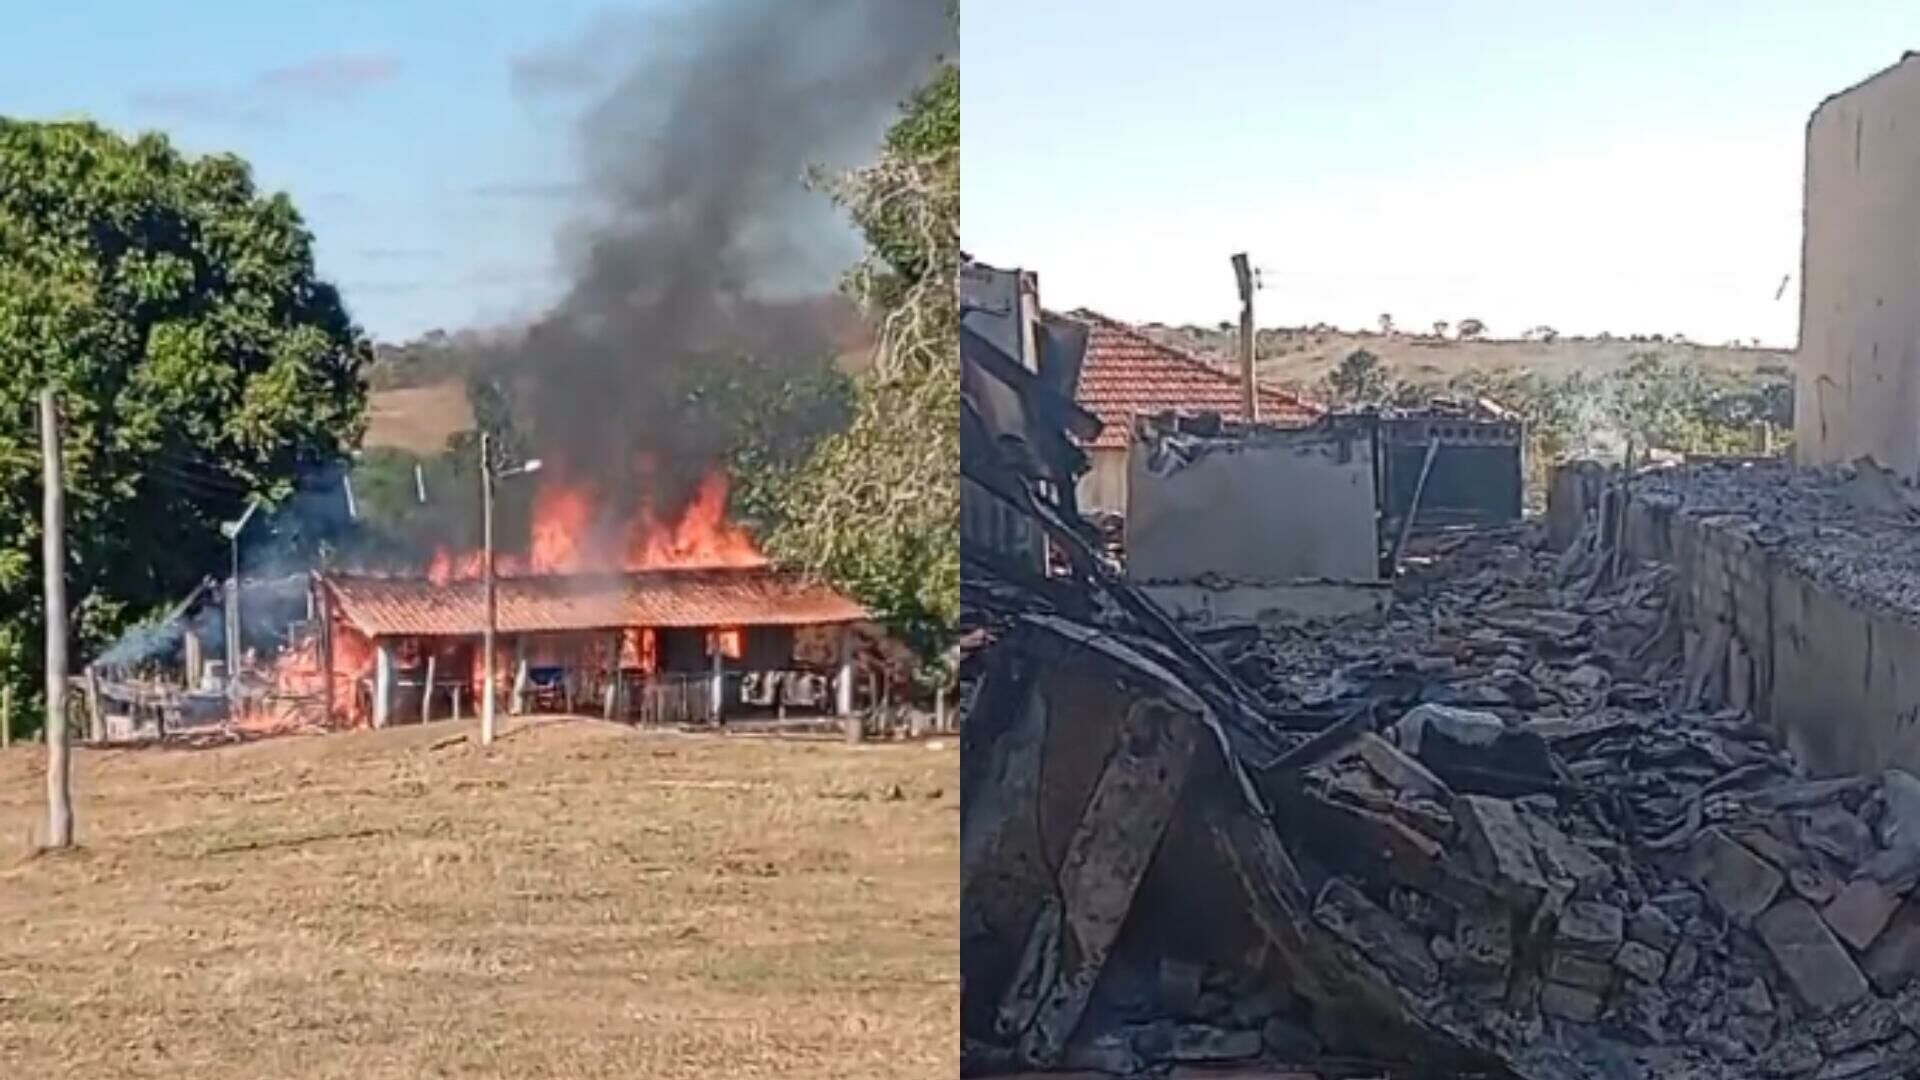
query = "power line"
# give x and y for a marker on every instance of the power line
(196, 486)
(166, 464)
(190, 462)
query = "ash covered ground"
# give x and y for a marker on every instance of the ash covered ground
(1549, 840)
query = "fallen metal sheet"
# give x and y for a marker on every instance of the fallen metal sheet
(1111, 848)
(1118, 738)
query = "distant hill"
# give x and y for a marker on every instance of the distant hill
(1299, 358)
(418, 419)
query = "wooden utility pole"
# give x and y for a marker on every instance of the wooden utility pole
(1250, 395)
(54, 555)
(486, 535)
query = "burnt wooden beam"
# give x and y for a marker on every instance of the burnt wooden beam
(1333, 976)
(1108, 855)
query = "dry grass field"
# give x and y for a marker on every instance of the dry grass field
(418, 418)
(579, 900)
(1300, 359)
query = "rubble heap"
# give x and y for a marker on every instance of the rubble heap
(1570, 844)
(1545, 842)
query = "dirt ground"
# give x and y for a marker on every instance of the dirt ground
(580, 900)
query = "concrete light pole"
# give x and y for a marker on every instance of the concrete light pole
(488, 475)
(232, 530)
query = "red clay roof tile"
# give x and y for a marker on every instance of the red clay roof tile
(383, 606)
(1127, 374)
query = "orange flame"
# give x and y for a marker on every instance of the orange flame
(702, 537)
(563, 539)
(562, 516)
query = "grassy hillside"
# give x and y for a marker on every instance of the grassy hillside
(418, 419)
(1301, 358)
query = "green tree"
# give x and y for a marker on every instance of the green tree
(198, 358)
(874, 507)
(1361, 379)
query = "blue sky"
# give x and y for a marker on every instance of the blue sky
(433, 187)
(1630, 167)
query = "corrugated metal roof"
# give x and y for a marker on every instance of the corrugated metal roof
(395, 606)
(1127, 374)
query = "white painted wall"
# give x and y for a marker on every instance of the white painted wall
(1271, 507)
(1104, 485)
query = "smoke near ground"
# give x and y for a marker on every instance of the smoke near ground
(697, 237)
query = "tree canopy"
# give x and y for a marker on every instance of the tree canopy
(875, 506)
(198, 359)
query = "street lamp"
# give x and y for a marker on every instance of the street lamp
(231, 530)
(488, 474)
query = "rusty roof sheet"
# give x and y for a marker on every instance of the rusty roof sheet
(400, 606)
(1127, 374)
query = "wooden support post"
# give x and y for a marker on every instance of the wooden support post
(382, 681)
(426, 691)
(1413, 509)
(6, 716)
(326, 655)
(96, 714)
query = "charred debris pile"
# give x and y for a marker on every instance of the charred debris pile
(1502, 830)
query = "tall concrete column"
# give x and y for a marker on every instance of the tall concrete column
(382, 682)
(194, 659)
(517, 704)
(719, 689)
(843, 680)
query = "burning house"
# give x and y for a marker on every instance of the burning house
(640, 616)
(613, 609)
(670, 645)
(698, 272)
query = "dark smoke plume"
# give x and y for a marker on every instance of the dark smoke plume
(699, 238)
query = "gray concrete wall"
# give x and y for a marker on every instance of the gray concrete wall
(1264, 506)
(1837, 683)
(1846, 692)
(1858, 390)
